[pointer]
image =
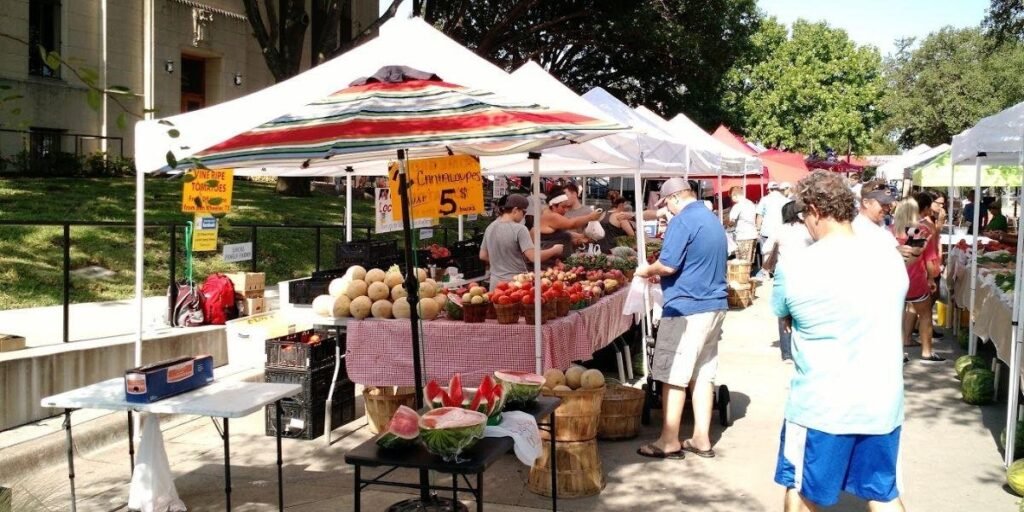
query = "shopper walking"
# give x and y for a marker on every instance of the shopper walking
(692, 273)
(768, 219)
(743, 219)
(845, 407)
(791, 238)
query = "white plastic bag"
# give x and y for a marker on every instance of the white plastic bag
(522, 428)
(152, 488)
(635, 297)
(730, 243)
(594, 230)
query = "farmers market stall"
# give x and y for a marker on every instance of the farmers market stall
(993, 301)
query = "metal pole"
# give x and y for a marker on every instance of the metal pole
(538, 335)
(227, 465)
(721, 214)
(972, 342)
(951, 317)
(1016, 335)
(172, 262)
(461, 228)
(348, 204)
(255, 251)
(641, 251)
(71, 457)
(66, 309)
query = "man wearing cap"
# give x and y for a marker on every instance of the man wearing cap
(692, 273)
(875, 203)
(507, 245)
(557, 228)
(769, 219)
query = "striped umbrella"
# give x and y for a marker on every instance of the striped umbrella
(428, 117)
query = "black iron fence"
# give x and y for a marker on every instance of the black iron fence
(363, 232)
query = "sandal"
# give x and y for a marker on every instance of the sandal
(654, 452)
(912, 344)
(706, 454)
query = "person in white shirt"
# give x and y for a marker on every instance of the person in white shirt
(743, 217)
(875, 203)
(768, 219)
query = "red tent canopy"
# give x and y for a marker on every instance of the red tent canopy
(835, 165)
(732, 140)
(784, 166)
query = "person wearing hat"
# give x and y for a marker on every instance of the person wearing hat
(507, 245)
(875, 203)
(691, 269)
(769, 220)
(557, 228)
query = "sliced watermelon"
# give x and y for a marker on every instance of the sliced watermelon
(402, 431)
(521, 387)
(436, 395)
(448, 431)
(455, 391)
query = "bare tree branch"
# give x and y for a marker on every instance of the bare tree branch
(271, 55)
(368, 33)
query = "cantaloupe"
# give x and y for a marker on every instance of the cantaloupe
(573, 376)
(553, 377)
(381, 308)
(375, 275)
(561, 387)
(427, 291)
(400, 308)
(356, 272)
(360, 307)
(421, 274)
(431, 282)
(339, 286)
(398, 291)
(478, 291)
(357, 288)
(336, 307)
(378, 291)
(393, 279)
(429, 309)
(441, 300)
(592, 379)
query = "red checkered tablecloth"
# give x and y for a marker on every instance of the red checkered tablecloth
(379, 352)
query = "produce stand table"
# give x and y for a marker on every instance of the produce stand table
(476, 460)
(378, 352)
(992, 308)
(220, 399)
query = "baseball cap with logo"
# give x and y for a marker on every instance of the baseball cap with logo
(670, 188)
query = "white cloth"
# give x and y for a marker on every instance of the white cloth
(863, 226)
(152, 488)
(522, 428)
(742, 214)
(770, 210)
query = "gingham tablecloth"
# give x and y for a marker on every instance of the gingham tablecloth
(379, 352)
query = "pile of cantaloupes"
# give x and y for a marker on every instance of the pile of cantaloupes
(362, 293)
(576, 377)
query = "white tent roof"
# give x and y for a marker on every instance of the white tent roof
(402, 41)
(732, 161)
(894, 169)
(922, 159)
(999, 136)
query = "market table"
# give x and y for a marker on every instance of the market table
(476, 460)
(992, 308)
(220, 399)
(379, 352)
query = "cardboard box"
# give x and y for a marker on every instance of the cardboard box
(250, 306)
(248, 284)
(157, 381)
(9, 342)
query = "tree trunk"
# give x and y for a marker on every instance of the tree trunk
(295, 187)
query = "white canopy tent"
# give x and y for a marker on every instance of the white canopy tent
(998, 140)
(733, 162)
(895, 168)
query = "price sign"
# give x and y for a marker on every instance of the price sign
(440, 187)
(206, 191)
(384, 219)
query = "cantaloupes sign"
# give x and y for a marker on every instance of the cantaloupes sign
(440, 187)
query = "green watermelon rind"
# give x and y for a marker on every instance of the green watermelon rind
(449, 443)
(1018, 447)
(394, 438)
(964, 364)
(1015, 477)
(977, 386)
(390, 441)
(518, 394)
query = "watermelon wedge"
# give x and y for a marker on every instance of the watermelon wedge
(521, 388)
(455, 391)
(448, 431)
(402, 431)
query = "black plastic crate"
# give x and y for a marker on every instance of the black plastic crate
(300, 421)
(329, 274)
(470, 266)
(315, 383)
(363, 252)
(466, 248)
(303, 291)
(290, 352)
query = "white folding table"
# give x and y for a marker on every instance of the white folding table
(220, 399)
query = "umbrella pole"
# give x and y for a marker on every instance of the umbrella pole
(348, 205)
(972, 347)
(641, 258)
(140, 265)
(537, 310)
(1015, 349)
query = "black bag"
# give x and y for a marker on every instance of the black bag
(184, 299)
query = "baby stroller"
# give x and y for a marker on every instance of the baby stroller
(652, 391)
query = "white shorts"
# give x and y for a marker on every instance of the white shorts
(687, 348)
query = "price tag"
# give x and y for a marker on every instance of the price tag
(440, 187)
(426, 233)
(471, 218)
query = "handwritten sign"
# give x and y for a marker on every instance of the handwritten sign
(384, 219)
(204, 238)
(440, 187)
(206, 191)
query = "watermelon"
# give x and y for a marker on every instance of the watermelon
(436, 395)
(489, 399)
(521, 388)
(963, 339)
(1015, 477)
(402, 430)
(965, 364)
(978, 386)
(448, 431)
(1018, 447)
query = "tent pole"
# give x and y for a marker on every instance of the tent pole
(1016, 335)
(461, 227)
(348, 205)
(641, 253)
(972, 342)
(537, 310)
(951, 317)
(721, 214)
(140, 269)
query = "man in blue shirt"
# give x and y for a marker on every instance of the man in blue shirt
(692, 273)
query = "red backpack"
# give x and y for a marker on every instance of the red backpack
(219, 299)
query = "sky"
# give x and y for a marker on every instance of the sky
(880, 22)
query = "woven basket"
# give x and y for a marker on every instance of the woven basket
(528, 316)
(562, 306)
(507, 313)
(474, 313)
(492, 314)
(381, 404)
(621, 409)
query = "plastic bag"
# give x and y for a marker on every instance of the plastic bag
(594, 230)
(522, 428)
(152, 488)
(635, 297)
(730, 243)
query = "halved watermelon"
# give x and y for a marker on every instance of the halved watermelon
(448, 431)
(403, 429)
(521, 388)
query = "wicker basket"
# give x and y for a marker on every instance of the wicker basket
(528, 310)
(561, 306)
(548, 309)
(738, 271)
(474, 313)
(739, 296)
(381, 404)
(492, 314)
(580, 473)
(507, 313)
(576, 419)
(621, 409)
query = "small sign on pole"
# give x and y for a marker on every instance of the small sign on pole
(384, 219)
(238, 252)
(204, 238)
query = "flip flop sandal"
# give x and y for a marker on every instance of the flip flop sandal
(706, 454)
(654, 452)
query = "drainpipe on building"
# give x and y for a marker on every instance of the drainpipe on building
(103, 77)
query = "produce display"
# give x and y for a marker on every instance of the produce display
(522, 387)
(964, 364)
(978, 386)
(379, 294)
(448, 431)
(402, 431)
(488, 399)
(576, 377)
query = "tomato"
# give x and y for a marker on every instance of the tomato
(574, 298)
(503, 286)
(557, 285)
(527, 300)
(504, 300)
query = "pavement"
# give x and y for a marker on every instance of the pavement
(950, 454)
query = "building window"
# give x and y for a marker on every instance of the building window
(44, 143)
(43, 31)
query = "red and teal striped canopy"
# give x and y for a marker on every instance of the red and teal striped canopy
(427, 117)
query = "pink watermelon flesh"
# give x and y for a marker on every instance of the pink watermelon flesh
(520, 377)
(451, 417)
(455, 391)
(523, 387)
(405, 423)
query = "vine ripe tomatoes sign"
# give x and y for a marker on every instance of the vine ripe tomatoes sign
(207, 191)
(440, 187)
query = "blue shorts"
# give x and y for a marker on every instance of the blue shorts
(819, 465)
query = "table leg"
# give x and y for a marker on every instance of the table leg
(131, 441)
(455, 491)
(71, 457)
(554, 466)
(227, 466)
(280, 462)
(479, 492)
(359, 490)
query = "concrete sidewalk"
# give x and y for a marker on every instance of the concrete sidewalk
(951, 459)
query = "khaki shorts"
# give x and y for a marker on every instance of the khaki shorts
(687, 348)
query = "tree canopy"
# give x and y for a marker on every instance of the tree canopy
(1005, 21)
(812, 91)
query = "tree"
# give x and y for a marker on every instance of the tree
(1005, 21)
(282, 38)
(670, 55)
(947, 84)
(814, 91)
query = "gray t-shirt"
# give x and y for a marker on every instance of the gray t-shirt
(579, 211)
(505, 243)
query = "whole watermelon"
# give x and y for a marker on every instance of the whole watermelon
(962, 339)
(964, 364)
(1018, 447)
(978, 386)
(1015, 477)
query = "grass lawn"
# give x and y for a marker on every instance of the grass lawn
(31, 256)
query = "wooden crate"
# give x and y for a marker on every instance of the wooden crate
(248, 284)
(10, 342)
(251, 306)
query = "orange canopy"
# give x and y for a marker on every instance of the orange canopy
(732, 140)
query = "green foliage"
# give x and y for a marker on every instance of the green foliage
(949, 83)
(813, 91)
(62, 164)
(1004, 21)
